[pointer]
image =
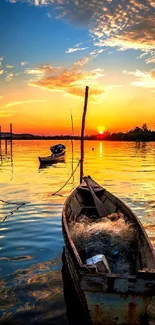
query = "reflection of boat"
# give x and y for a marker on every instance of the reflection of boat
(58, 148)
(108, 255)
(53, 159)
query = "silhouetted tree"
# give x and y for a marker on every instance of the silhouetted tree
(137, 129)
(144, 127)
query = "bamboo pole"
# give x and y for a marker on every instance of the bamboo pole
(82, 132)
(72, 147)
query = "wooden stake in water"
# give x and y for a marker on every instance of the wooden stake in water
(82, 132)
(10, 131)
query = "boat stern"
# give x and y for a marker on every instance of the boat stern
(117, 301)
(116, 309)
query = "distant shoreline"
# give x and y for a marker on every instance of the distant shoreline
(137, 134)
(125, 138)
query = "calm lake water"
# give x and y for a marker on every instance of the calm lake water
(31, 240)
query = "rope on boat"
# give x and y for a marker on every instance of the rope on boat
(12, 212)
(68, 179)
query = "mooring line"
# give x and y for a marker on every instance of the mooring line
(12, 212)
(10, 202)
(67, 180)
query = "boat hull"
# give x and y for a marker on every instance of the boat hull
(53, 159)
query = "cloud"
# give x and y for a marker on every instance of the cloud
(78, 44)
(70, 80)
(95, 53)
(152, 3)
(123, 24)
(4, 114)
(24, 102)
(1, 71)
(9, 66)
(152, 74)
(1, 59)
(143, 79)
(37, 72)
(110, 87)
(9, 76)
(71, 50)
(23, 63)
(80, 63)
(150, 59)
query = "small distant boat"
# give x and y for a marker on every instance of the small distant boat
(58, 148)
(53, 159)
(58, 155)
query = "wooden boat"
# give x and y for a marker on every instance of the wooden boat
(108, 297)
(53, 159)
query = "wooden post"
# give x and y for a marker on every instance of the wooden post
(82, 132)
(10, 131)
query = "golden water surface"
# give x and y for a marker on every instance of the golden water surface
(31, 240)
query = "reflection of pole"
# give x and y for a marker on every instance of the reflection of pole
(11, 149)
(0, 138)
(6, 146)
(0, 143)
(11, 160)
(11, 140)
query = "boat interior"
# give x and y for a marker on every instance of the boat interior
(112, 231)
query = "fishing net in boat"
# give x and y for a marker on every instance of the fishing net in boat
(111, 236)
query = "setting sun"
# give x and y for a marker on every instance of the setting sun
(101, 129)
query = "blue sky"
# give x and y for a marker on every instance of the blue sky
(26, 32)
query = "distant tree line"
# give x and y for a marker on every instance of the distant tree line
(136, 134)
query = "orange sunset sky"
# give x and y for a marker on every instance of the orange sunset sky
(51, 49)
